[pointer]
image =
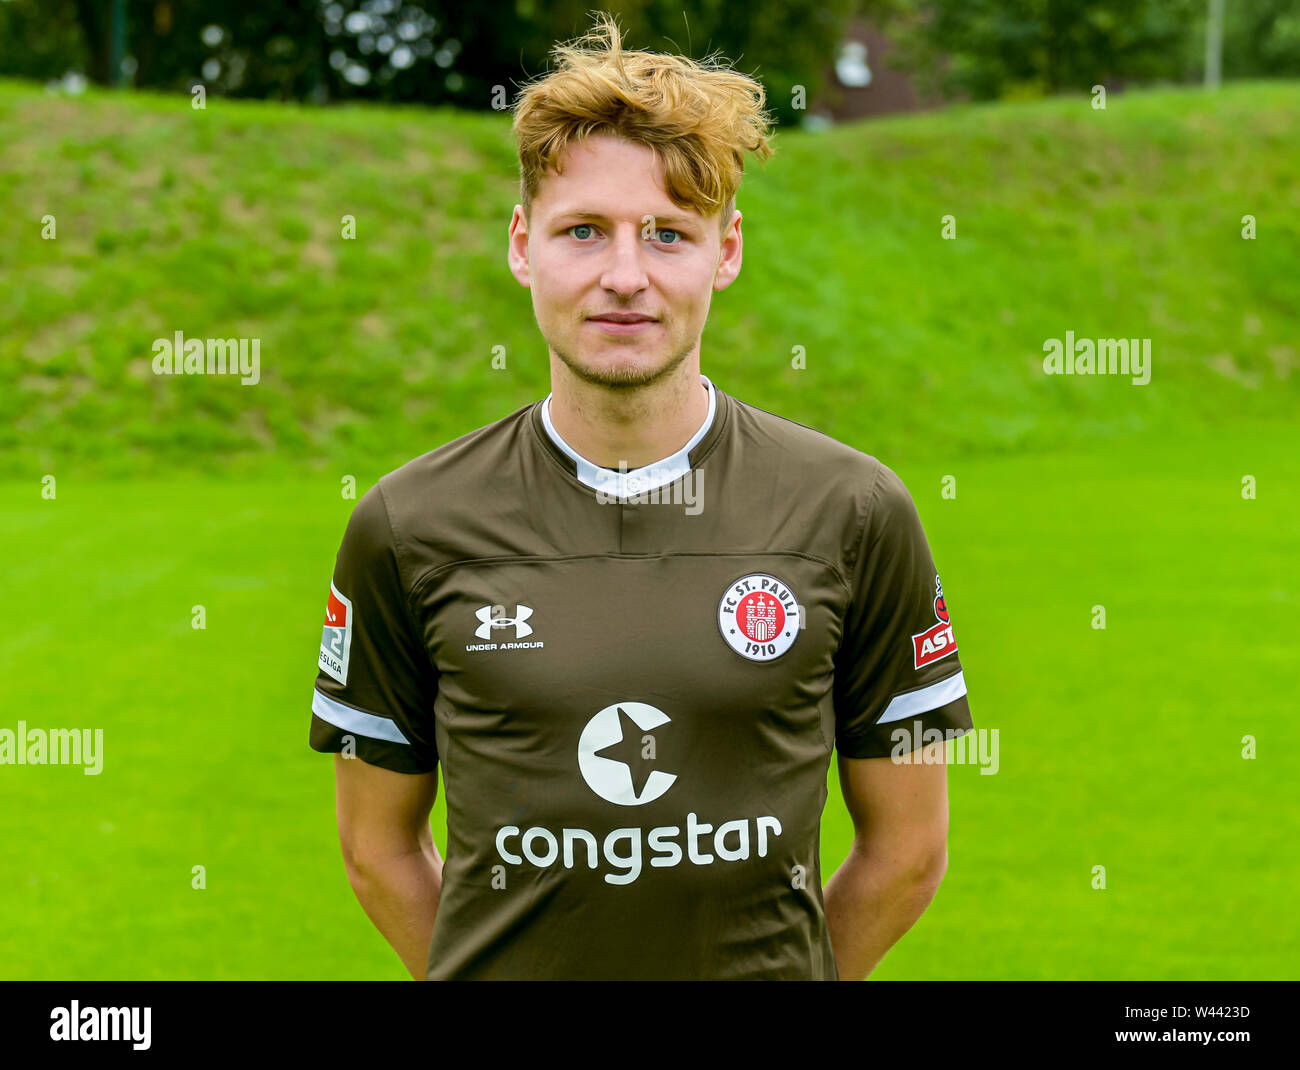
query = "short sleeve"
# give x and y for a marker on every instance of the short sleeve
(897, 664)
(375, 684)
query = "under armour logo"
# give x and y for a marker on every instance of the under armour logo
(493, 617)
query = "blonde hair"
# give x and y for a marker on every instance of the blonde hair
(699, 118)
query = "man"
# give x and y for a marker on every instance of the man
(632, 620)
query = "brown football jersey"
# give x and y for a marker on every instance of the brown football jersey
(633, 683)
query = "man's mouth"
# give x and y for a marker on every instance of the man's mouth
(623, 323)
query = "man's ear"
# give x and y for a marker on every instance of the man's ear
(517, 248)
(729, 254)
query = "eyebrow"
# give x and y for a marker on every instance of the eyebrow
(665, 220)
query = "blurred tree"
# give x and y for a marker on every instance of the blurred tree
(437, 52)
(1261, 38)
(996, 48)
(476, 55)
(41, 39)
(430, 51)
(993, 48)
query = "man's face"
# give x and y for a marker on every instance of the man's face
(590, 250)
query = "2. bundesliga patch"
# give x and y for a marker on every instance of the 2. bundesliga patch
(936, 642)
(759, 617)
(336, 642)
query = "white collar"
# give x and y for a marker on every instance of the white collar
(625, 483)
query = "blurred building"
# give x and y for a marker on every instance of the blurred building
(860, 84)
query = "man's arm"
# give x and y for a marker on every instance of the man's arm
(899, 855)
(392, 862)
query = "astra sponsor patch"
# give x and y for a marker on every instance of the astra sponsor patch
(336, 641)
(936, 642)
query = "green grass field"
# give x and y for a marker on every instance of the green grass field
(1119, 747)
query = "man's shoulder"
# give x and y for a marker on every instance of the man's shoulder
(459, 467)
(834, 494)
(815, 460)
(418, 503)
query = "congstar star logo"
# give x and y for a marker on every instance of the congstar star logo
(610, 748)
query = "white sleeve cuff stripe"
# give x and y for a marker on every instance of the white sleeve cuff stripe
(924, 700)
(359, 722)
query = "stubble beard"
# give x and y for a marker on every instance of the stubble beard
(622, 378)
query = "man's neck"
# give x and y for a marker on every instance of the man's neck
(631, 427)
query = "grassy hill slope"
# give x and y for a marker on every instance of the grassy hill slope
(226, 223)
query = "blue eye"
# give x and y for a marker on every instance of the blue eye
(662, 230)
